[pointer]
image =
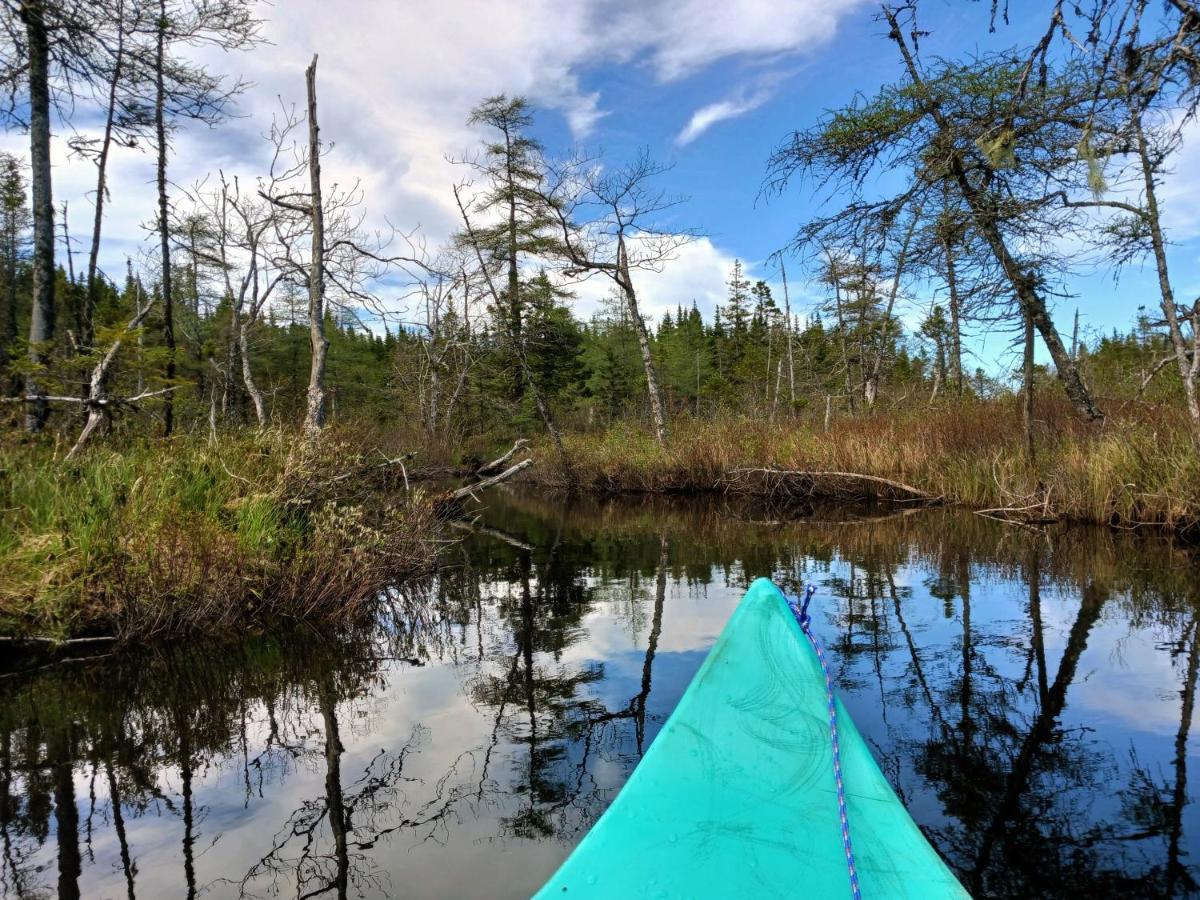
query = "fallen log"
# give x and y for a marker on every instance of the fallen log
(37, 639)
(449, 505)
(810, 480)
(497, 465)
(470, 490)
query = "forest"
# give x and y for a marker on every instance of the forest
(256, 418)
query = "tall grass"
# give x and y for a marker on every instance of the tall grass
(180, 536)
(1140, 467)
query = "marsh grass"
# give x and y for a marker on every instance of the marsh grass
(175, 537)
(1139, 468)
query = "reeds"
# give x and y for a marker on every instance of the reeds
(1139, 468)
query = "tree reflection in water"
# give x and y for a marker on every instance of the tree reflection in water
(484, 720)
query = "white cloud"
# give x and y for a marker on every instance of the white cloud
(396, 82)
(1180, 191)
(707, 116)
(699, 272)
(684, 36)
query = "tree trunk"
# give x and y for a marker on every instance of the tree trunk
(871, 384)
(1027, 391)
(87, 332)
(656, 404)
(41, 323)
(956, 372)
(518, 345)
(164, 226)
(256, 395)
(8, 330)
(1188, 367)
(1034, 306)
(787, 308)
(97, 412)
(778, 386)
(938, 369)
(335, 802)
(841, 320)
(314, 420)
(66, 816)
(1021, 280)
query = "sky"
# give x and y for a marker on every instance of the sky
(708, 88)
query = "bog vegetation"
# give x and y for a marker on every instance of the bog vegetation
(204, 438)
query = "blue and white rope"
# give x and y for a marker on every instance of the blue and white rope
(802, 617)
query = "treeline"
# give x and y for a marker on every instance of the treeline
(267, 300)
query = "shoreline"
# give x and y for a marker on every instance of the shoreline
(182, 537)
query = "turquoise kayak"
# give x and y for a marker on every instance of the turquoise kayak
(736, 797)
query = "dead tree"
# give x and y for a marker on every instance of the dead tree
(243, 241)
(343, 262)
(609, 225)
(99, 406)
(314, 417)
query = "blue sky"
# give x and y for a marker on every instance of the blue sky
(396, 82)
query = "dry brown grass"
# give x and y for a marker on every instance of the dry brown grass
(1138, 468)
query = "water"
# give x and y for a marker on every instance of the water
(1028, 694)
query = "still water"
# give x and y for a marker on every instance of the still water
(1029, 694)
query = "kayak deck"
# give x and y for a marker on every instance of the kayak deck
(736, 795)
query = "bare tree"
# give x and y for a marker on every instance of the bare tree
(788, 330)
(314, 418)
(241, 238)
(181, 91)
(610, 222)
(344, 261)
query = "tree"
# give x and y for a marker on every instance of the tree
(935, 328)
(1005, 151)
(14, 228)
(511, 166)
(609, 224)
(314, 418)
(184, 90)
(41, 322)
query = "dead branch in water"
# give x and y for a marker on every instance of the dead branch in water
(813, 482)
(471, 489)
(497, 465)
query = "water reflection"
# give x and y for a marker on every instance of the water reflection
(1029, 694)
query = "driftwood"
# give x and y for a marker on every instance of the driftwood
(386, 464)
(815, 482)
(449, 506)
(1035, 514)
(498, 464)
(471, 489)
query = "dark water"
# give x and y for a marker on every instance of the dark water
(1028, 694)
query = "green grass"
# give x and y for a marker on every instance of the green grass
(179, 536)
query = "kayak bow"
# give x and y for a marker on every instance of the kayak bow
(736, 797)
